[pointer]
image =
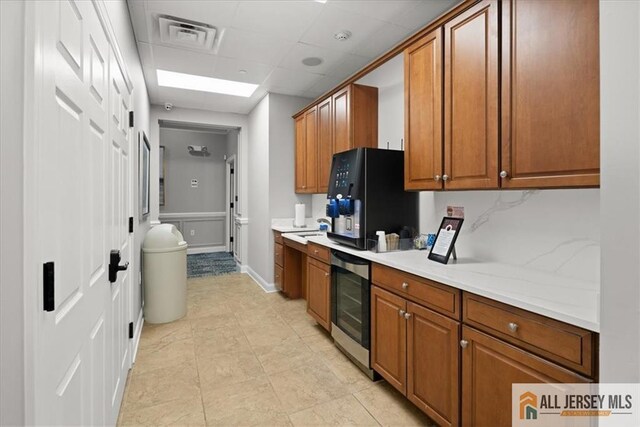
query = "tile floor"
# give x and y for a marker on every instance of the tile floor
(243, 357)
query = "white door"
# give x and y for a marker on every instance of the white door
(81, 194)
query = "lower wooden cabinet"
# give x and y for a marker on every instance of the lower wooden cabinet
(319, 292)
(417, 351)
(489, 368)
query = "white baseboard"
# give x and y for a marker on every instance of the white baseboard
(267, 287)
(206, 250)
(136, 336)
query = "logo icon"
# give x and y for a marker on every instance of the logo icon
(528, 406)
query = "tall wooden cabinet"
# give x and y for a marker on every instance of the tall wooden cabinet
(550, 94)
(423, 113)
(307, 152)
(471, 98)
(355, 118)
(325, 143)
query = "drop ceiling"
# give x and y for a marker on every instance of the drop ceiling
(264, 42)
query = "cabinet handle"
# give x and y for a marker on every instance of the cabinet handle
(326, 274)
(407, 315)
(513, 327)
(304, 186)
(405, 285)
(445, 177)
(315, 251)
(504, 174)
(436, 178)
(402, 312)
(464, 343)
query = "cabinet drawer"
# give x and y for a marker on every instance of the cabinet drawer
(279, 255)
(441, 298)
(565, 344)
(320, 252)
(277, 237)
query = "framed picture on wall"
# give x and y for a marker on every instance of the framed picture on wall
(144, 151)
(161, 155)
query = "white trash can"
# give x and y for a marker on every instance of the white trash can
(165, 274)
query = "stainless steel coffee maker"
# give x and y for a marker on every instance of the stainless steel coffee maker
(366, 194)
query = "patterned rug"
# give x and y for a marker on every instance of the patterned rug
(211, 264)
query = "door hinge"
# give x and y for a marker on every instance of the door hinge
(130, 119)
(48, 289)
(231, 205)
(130, 224)
(231, 170)
(236, 198)
(231, 239)
(130, 330)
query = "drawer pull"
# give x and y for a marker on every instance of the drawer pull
(402, 312)
(513, 327)
(405, 285)
(464, 343)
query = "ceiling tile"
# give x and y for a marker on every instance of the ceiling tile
(253, 47)
(179, 97)
(423, 13)
(348, 65)
(138, 20)
(183, 61)
(294, 80)
(382, 10)
(324, 84)
(286, 20)
(229, 69)
(380, 41)
(293, 60)
(219, 13)
(333, 20)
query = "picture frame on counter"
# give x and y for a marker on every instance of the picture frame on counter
(446, 240)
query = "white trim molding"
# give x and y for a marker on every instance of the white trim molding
(205, 249)
(136, 336)
(168, 216)
(267, 287)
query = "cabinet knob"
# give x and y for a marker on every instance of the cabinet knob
(326, 274)
(513, 327)
(405, 285)
(445, 177)
(407, 315)
(504, 174)
(436, 178)
(315, 251)
(401, 312)
(464, 343)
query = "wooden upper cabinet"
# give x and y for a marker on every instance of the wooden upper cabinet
(325, 144)
(301, 154)
(471, 98)
(550, 93)
(355, 118)
(423, 113)
(389, 337)
(306, 158)
(490, 367)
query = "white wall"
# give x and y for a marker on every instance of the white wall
(12, 26)
(620, 190)
(121, 22)
(259, 219)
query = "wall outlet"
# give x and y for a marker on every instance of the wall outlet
(192, 232)
(194, 183)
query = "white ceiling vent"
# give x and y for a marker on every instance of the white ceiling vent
(189, 34)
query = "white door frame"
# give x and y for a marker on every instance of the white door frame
(230, 231)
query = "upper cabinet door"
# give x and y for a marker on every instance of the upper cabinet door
(550, 94)
(423, 113)
(342, 140)
(311, 143)
(301, 154)
(471, 98)
(325, 145)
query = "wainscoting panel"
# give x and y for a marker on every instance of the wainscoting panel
(200, 229)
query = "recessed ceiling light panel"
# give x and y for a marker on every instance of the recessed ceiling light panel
(204, 84)
(312, 61)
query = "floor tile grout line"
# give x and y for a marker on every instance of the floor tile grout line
(195, 356)
(365, 408)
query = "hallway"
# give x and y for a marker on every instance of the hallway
(244, 357)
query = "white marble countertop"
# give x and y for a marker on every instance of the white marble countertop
(569, 300)
(285, 225)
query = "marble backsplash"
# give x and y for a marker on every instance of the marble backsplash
(556, 231)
